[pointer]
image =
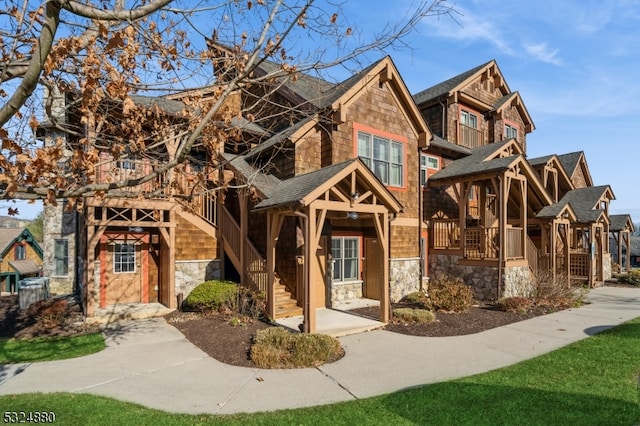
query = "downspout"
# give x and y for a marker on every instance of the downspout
(444, 120)
(305, 268)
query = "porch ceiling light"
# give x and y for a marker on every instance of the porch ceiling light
(353, 215)
(355, 196)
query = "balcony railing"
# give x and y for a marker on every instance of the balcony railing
(470, 137)
(478, 242)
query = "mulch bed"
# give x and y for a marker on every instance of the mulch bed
(218, 337)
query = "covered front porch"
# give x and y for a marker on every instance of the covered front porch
(341, 202)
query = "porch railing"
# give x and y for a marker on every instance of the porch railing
(126, 169)
(514, 248)
(533, 255)
(482, 243)
(479, 242)
(471, 137)
(446, 233)
(579, 264)
(255, 265)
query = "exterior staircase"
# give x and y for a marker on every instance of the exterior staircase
(254, 270)
(286, 304)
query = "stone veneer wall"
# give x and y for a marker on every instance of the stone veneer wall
(482, 279)
(517, 281)
(59, 224)
(190, 273)
(607, 272)
(341, 292)
(404, 277)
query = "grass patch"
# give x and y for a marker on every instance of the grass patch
(591, 382)
(49, 348)
(278, 348)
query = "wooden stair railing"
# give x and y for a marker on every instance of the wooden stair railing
(533, 255)
(255, 266)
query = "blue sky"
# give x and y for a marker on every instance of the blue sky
(575, 63)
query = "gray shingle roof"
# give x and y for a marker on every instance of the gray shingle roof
(476, 163)
(438, 142)
(446, 86)
(618, 221)
(168, 105)
(7, 235)
(279, 138)
(25, 267)
(539, 160)
(265, 183)
(570, 161)
(295, 189)
(583, 200)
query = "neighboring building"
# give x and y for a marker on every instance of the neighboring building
(20, 257)
(352, 190)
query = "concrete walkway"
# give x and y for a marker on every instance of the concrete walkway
(151, 363)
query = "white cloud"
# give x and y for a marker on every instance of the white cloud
(542, 53)
(470, 27)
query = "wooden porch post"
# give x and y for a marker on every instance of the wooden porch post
(626, 235)
(312, 266)
(385, 314)
(274, 223)
(244, 230)
(523, 217)
(171, 267)
(93, 239)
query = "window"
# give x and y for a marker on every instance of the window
(427, 162)
(124, 257)
(345, 253)
(61, 257)
(127, 164)
(469, 119)
(510, 132)
(385, 157)
(21, 251)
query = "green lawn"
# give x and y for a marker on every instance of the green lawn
(49, 348)
(591, 382)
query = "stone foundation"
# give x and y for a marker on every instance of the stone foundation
(190, 273)
(607, 272)
(482, 279)
(404, 277)
(341, 292)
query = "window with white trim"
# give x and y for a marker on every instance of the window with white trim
(345, 254)
(124, 257)
(385, 157)
(427, 162)
(469, 119)
(61, 257)
(510, 132)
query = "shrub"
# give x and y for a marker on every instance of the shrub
(278, 348)
(555, 291)
(450, 295)
(212, 296)
(514, 304)
(632, 278)
(414, 315)
(418, 298)
(49, 313)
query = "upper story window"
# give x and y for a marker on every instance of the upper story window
(469, 119)
(510, 132)
(20, 252)
(384, 156)
(427, 162)
(470, 135)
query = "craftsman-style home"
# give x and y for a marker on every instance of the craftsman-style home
(20, 257)
(366, 194)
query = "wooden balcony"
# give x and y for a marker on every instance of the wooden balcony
(470, 137)
(477, 243)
